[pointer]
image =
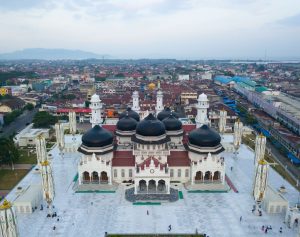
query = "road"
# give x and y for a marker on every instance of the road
(19, 123)
(285, 162)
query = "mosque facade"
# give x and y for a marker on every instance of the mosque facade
(153, 152)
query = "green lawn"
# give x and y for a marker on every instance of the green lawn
(9, 178)
(25, 158)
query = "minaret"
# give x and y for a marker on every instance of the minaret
(96, 107)
(47, 184)
(8, 221)
(41, 150)
(260, 183)
(60, 137)
(135, 102)
(159, 102)
(202, 107)
(260, 146)
(238, 134)
(72, 122)
(222, 120)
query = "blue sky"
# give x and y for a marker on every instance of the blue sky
(184, 29)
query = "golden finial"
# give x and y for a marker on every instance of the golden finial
(45, 163)
(40, 136)
(262, 162)
(5, 205)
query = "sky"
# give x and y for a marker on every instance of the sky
(182, 29)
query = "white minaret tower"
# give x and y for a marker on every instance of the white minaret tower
(8, 221)
(260, 183)
(60, 137)
(96, 107)
(159, 102)
(260, 147)
(135, 102)
(238, 134)
(72, 122)
(47, 184)
(41, 150)
(202, 107)
(222, 120)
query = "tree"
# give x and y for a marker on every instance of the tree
(43, 120)
(87, 104)
(9, 153)
(10, 117)
(29, 106)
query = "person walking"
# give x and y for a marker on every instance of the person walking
(147, 212)
(170, 227)
(241, 218)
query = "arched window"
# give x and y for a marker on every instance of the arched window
(123, 173)
(115, 173)
(179, 173)
(187, 172)
(171, 173)
(130, 173)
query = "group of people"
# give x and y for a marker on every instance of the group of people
(269, 227)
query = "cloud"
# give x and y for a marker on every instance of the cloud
(291, 21)
(164, 28)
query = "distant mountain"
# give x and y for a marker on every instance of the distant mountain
(50, 54)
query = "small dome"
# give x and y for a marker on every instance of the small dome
(204, 137)
(151, 86)
(172, 123)
(95, 98)
(131, 114)
(126, 124)
(97, 137)
(166, 113)
(203, 97)
(150, 126)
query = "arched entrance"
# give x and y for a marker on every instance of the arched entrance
(161, 186)
(198, 177)
(207, 176)
(142, 186)
(217, 176)
(86, 177)
(95, 177)
(103, 177)
(152, 186)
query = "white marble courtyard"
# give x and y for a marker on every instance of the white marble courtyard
(93, 214)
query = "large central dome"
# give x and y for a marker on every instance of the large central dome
(97, 137)
(204, 137)
(150, 126)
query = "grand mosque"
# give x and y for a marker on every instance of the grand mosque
(152, 152)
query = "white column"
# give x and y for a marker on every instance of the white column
(202, 107)
(8, 220)
(41, 150)
(96, 107)
(47, 183)
(222, 121)
(60, 136)
(135, 102)
(159, 102)
(238, 134)
(260, 146)
(72, 122)
(260, 180)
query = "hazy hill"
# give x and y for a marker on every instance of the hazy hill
(50, 54)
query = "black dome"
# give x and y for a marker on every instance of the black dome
(126, 124)
(97, 137)
(172, 123)
(150, 126)
(165, 114)
(131, 114)
(204, 137)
